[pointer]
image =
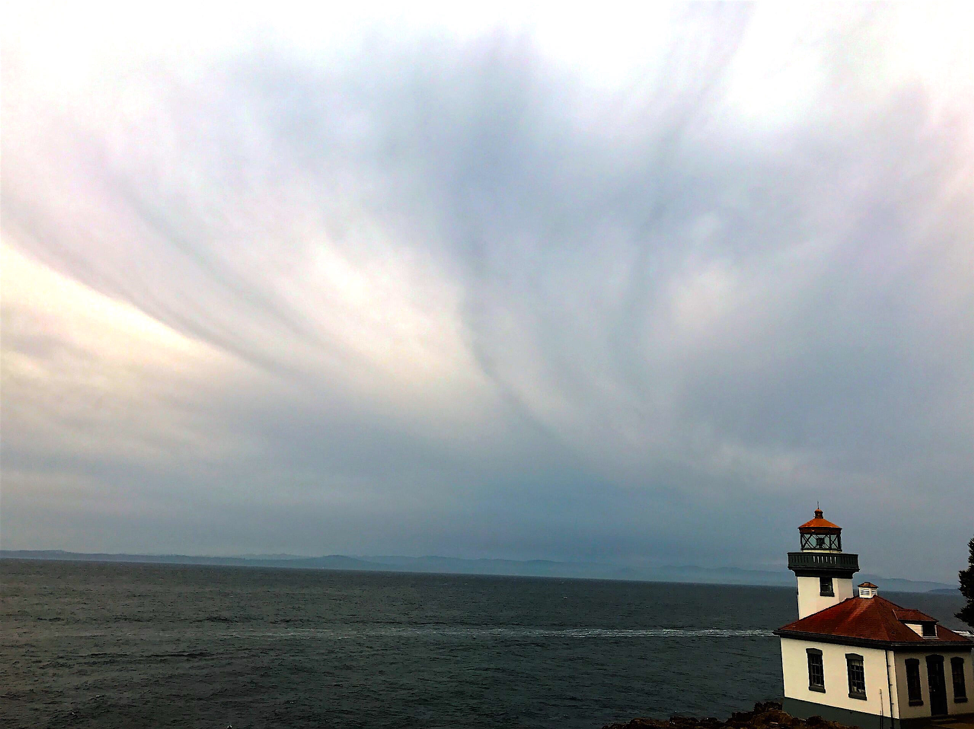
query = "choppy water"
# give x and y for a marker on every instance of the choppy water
(111, 645)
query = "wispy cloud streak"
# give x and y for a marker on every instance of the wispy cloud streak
(498, 287)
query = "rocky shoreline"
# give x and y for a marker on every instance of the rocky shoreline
(767, 715)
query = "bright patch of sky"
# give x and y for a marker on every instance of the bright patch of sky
(512, 281)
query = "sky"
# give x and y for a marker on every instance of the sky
(513, 282)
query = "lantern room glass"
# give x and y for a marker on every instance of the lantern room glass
(824, 542)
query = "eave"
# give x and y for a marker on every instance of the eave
(926, 646)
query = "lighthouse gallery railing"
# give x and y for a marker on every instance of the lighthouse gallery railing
(841, 562)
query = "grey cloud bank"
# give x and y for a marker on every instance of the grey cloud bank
(448, 291)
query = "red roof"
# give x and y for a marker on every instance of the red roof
(868, 584)
(913, 616)
(819, 522)
(869, 618)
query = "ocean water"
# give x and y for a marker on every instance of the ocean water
(125, 645)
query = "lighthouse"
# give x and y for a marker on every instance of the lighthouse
(823, 570)
(862, 660)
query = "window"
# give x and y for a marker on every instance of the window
(825, 585)
(832, 542)
(957, 671)
(857, 676)
(929, 630)
(913, 681)
(816, 672)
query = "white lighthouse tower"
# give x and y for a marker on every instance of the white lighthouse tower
(824, 571)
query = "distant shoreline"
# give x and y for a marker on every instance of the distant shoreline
(485, 567)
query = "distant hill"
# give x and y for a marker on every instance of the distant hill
(333, 562)
(514, 568)
(894, 584)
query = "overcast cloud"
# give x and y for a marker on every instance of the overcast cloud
(509, 284)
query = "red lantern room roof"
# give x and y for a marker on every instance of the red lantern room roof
(819, 525)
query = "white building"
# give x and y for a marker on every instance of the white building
(862, 660)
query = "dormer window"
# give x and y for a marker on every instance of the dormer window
(924, 629)
(920, 623)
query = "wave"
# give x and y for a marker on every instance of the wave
(508, 633)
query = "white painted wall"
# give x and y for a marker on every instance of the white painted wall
(794, 667)
(811, 601)
(911, 712)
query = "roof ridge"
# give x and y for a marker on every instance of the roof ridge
(888, 602)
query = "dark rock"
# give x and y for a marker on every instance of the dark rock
(766, 715)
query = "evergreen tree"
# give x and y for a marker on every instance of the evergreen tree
(967, 589)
